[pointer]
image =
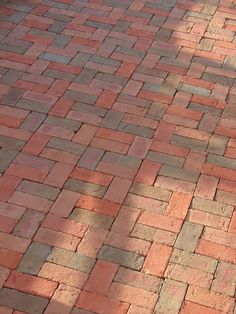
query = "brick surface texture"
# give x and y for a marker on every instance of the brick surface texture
(117, 156)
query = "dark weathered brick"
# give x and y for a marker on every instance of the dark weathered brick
(150, 191)
(33, 105)
(124, 258)
(71, 259)
(63, 123)
(92, 218)
(85, 76)
(39, 189)
(6, 157)
(85, 187)
(23, 302)
(112, 119)
(222, 161)
(188, 236)
(189, 142)
(136, 130)
(67, 146)
(217, 144)
(54, 57)
(78, 96)
(91, 158)
(166, 159)
(34, 258)
(213, 207)
(89, 109)
(10, 143)
(178, 173)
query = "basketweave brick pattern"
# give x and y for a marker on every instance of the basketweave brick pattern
(117, 156)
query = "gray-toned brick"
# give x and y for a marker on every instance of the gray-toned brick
(166, 159)
(11, 143)
(150, 191)
(229, 110)
(54, 57)
(205, 109)
(23, 302)
(166, 303)
(222, 161)
(61, 75)
(136, 130)
(34, 258)
(81, 311)
(92, 218)
(63, 123)
(188, 236)
(6, 157)
(124, 258)
(81, 97)
(66, 146)
(80, 59)
(89, 109)
(71, 259)
(33, 121)
(193, 260)
(218, 79)
(98, 25)
(85, 187)
(226, 197)
(194, 90)
(11, 77)
(217, 144)
(112, 119)
(212, 207)
(33, 105)
(91, 158)
(143, 232)
(178, 173)
(156, 111)
(39, 189)
(85, 76)
(139, 280)
(12, 96)
(230, 63)
(57, 27)
(189, 143)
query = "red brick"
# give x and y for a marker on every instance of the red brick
(31, 201)
(164, 132)
(195, 161)
(9, 259)
(178, 205)
(208, 219)
(232, 227)
(92, 176)
(193, 308)
(118, 190)
(63, 300)
(85, 134)
(98, 205)
(57, 88)
(13, 243)
(160, 221)
(58, 239)
(59, 174)
(176, 185)
(125, 220)
(106, 99)
(157, 259)
(31, 284)
(26, 172)
(101, 277)
(109, 145)
(7, 224)
(126, 69)
(64, 225)
(59, 155)
(170, 149)
(129, 294)
(217, 251)
(63, 275)
(56, 131)
(100, 304)
(147, 172)
(4, 273)
(36, 144)
(140, 147)
(8, 184)
(61, 107)
(115, 135)
(206, 187)
(211, 299)
(92, 242)
(4, 310)
(219, 172)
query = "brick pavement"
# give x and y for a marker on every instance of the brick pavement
(118, 156)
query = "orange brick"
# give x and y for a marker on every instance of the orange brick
(206, 186)
(64, 203)
(101, 277)
(217, 251)
(193, 308)
(100, 304)
(92, 176)
(157, 259)
(178, 205)
(98, 205)
(147, 172)
(85, 134)
(31, 284)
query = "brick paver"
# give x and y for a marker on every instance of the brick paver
(117, 156)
